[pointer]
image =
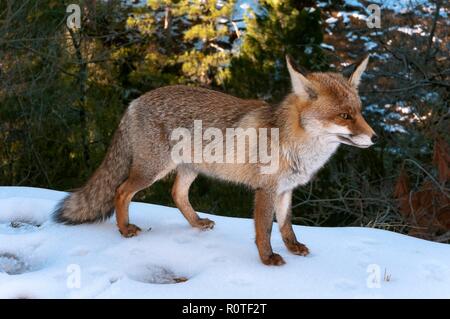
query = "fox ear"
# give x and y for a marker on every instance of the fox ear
(355, 78)
(300, 84)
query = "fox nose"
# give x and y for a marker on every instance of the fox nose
(374, 138)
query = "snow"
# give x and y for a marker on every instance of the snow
(374, 108)
(346, 16)
(308, 50)
(327, 46)
(353, 3)
(410, 31)
(397, 6)
(41, 259)
(331, 20)
(432, 97)
(370, 45)
(393, 128)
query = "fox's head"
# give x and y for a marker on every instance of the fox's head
(329, 106)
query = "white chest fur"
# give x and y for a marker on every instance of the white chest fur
(305, 160)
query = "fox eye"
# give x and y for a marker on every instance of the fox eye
(345, 116)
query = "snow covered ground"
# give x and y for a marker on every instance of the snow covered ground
(40, 259)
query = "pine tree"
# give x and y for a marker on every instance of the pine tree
(277, 28)
(191, 40)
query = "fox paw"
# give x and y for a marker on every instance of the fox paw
(298, 249)
(273, 260)
(204, 224)
(129, 230)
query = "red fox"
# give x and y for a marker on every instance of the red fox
(323, 111)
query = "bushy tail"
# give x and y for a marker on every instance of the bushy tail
(94, 202)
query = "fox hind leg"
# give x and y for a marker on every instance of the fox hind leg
(124, 194)
(180, 195)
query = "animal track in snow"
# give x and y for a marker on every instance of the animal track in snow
(435, 270)
(345, 284)
(18, 227)
(79, 251)
(13, 264)
(153, 274)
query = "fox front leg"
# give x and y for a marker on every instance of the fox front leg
(283, 213)
(263, 214)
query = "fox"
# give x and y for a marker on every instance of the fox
(322, 111)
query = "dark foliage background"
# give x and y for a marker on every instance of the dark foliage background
(62, 93)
